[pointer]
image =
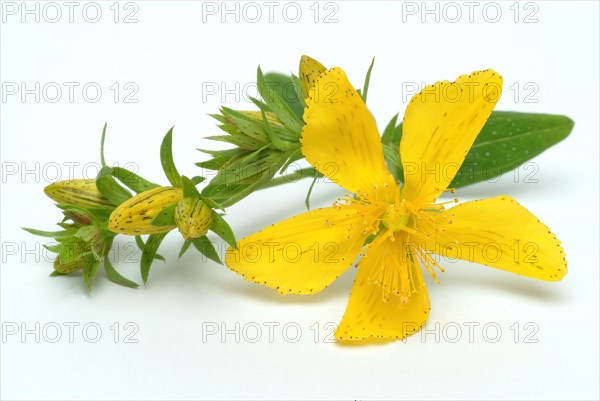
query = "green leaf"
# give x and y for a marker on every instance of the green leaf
(189, 189)
(222, 229)
(248, 169)
(298, 88)
(240, 140)
(273, 137)
(102, 160)
(53, 248)
(140, 242)
(507, 140)
(66, 226)
(50, 234)
(149, 254)
(132, 180)
(113, 275)
(391, 156)
(165, 217)
(285, 87)
(229, 128)
(79, 217)
(90, 270)
(88, 233)
(100, 213)
(110, 188)
(229, 194)
(70, 249)
(211, 203)
(222, 152)
(219, 117)
(291, 156)
(215, 163)
(367, 80)
(386, 138)
(275, 102)
(221, 159)
(197, 180)
(205, 247)
(166, 159)
(245, 124)
(184, 248)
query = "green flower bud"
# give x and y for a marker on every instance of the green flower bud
(70, 267)
(79, 217)
(193, 217)
(73, 254)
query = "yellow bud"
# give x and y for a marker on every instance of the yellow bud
(79, 192)
(135, 215)
(70, 267)
(193, 217)
(310, 69)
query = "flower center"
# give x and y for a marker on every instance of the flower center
(396, 218)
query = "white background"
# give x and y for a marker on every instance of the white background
(172, 54)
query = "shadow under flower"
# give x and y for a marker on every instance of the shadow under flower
(469, 276)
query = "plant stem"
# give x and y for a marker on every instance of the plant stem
(308, 172)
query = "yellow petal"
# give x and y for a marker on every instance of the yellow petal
(304, 254)
(309, 71)
(439, 127)
(500, 233)
(368, 315)
(341, 140)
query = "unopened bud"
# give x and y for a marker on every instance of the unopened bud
(193, 217)
(70, 267)
(80, 217)
(72, 256)
(135, 215)
(79, 192)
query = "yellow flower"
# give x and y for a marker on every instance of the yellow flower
(78, 192)
(193, 217)
(135, 215)
(404, 228)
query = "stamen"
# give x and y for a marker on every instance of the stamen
(398, 273)
(428, 262)
(392, 272)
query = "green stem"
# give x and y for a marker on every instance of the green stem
(308, 172)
